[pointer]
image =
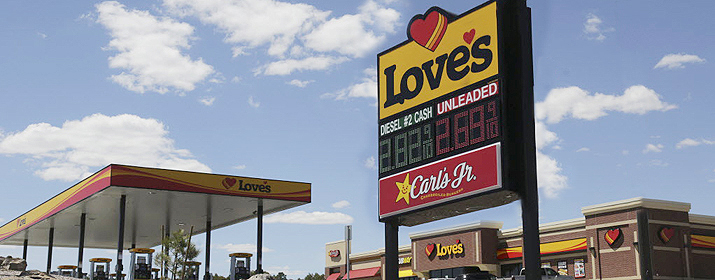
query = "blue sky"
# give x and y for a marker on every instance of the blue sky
(287, 90)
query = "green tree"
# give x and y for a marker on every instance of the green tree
(218, 277)
(176, 253)
(314, 276)
(280, 276)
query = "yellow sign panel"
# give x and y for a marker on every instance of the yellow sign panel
(442, 56)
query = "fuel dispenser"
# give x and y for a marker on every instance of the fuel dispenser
(67, 270)
(155, 273)
(140, 264)
(240, 269)
(113, 276)
(192, 270)
(99, 268)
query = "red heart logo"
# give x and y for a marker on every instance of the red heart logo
(612, 235)
(428, 30)
(469, 36)
(429, 249)
(228, 182)
(666, 233)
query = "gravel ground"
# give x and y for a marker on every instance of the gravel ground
(14, 275)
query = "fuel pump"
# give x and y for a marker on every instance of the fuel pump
(140, 264)
(99, 268)
(192, 270)
(240, 269)
(67, 270)
(155, 273)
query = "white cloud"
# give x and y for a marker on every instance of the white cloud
(356, 39)
(293, 32)
(580, 104)
(549, 176)
(371, 163)
(653, 148)
(253, 23)
(593, 29)
(79, 147)
(544, 137)
(366, 88)
(657, 162)
(584, 149)
(208, 101)
(300, 83)
(688, 142)
(312, 218)
(288, 66)
(625, 152)
(253, 103)
(149, 50)
(562, 103)
(240, 167)
(246, 247)
(341, 204)
(236, 79)
(290, 273)
(42, 35)
(677, 60)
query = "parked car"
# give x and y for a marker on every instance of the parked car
(547, 273)
(476, 276)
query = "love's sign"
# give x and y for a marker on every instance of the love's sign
(451, 55)
(455, 114)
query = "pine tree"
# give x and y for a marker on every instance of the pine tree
(176, 253)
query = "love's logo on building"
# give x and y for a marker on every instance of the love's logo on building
(666, 233)
(612, 235)
(260, 186)
(444, 251)
(443, 53)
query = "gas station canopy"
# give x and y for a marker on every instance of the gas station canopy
(154, 198)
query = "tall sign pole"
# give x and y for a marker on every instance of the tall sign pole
(456, 122)
(348, 238)
(517, 31)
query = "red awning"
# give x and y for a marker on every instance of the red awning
(333, 276)
(363, 273)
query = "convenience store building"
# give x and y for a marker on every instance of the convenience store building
(603, 244)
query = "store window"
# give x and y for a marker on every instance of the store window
(510, 269)
(452, 272)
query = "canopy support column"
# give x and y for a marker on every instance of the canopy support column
(80, 254)
(259, 249)
(49, 250)
(207, 250)
(120, 240)
(165, 272)
(24, 249)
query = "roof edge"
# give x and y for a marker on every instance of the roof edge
(466, 227)
(547, 227)
(379, 252)
(702, 219)
(636, 202)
